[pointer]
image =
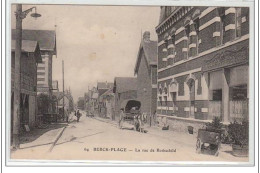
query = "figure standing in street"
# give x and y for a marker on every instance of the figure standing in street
(78, 115)
(121, 116)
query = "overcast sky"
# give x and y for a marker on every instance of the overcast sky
(97, 43)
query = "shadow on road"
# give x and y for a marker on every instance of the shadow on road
(36, 133)
(75, 138)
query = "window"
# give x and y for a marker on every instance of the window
(221, 12)
(187, 31)
(165, 99)
(181, 89)
(238, 22)
(197, 25)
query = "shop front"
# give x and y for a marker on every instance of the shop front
(228, 81)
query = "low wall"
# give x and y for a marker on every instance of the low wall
(180, 124)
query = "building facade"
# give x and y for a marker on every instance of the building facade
(47, 43)
(124, 88)
(203, 62)
(28, 103)
(146, 73)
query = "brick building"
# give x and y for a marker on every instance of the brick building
(146, 72)
(29, 59)
(203, 61)
(124, 88)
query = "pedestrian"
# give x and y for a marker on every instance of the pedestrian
(121, 116)
(78, 115)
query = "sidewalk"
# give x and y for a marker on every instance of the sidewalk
(39, 137)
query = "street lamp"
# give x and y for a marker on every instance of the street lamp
(20, 15)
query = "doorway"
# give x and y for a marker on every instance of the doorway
(191, 84)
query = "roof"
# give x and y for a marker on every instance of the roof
(123, 84)
(104, 85)
(108, 92)
(27, 45)
(46, 38)
(30, 47)
(150, 51)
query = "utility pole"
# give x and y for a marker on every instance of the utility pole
(63, 89)
(17, 78)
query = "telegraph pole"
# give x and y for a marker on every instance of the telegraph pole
(63, 88)
(17, 79)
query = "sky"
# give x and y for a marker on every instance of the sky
(97, 43)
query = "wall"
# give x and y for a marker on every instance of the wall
(144, 88)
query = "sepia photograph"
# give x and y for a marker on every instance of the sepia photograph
(159, 84)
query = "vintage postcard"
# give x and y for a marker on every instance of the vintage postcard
(145, 84)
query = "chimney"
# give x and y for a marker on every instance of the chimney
(146, 36)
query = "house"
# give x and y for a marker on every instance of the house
(102, 87)
(30, 57)
(81, 103)
(93, 101)
(68, 101)
(146, 72)
(124, 88)
(203, 62)
(107, 104)
(47, 44)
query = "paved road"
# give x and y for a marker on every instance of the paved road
(97, 139)
(92, 139)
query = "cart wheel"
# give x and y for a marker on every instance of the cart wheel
(198, 146)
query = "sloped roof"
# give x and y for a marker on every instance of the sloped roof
(30, 47)
(46, 38)
(104, 85)
(150, 51)
(27, 45)
(108, 92)
(123, 84)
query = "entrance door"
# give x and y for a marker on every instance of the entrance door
(173, 94)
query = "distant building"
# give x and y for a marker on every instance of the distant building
(124, 88)
(146, 72)
(47, 43)
(107, 104)
(102, 87)
(203, 60)
(68, 101)
(29, 59)
(81, 103)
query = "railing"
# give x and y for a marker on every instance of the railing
(238, 109)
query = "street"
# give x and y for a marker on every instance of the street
(101, 139)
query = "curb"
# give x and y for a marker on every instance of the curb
(57, 138)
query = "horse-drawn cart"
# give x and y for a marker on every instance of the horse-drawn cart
(131, 114)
